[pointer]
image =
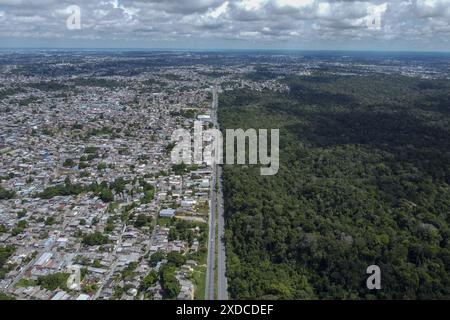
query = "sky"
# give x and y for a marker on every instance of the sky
(400, 25)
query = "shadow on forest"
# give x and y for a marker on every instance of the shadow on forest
(315, 97)
(402, 134)
(435, 103)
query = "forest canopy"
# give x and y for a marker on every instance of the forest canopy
(364, 179)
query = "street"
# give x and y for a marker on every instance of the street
(216, 213)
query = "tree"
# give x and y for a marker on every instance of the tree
(21, 225)
(176, 259)
(50, 221)
(3, 228)
(149, 195)
(96, 264)
(6, 194)
(101, 166)
(358, 185)
(68, 163)
(155, 258)
(149, 192)
(95, 239)
(118, 185)
(53, 281)
(21, 214)
(149, 280)
(169, 282)
(106, 195)
(142, 220)
(4, 296)
(5, 253)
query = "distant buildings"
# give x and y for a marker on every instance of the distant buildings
(167, 213)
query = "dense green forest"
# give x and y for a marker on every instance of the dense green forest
(364, 179)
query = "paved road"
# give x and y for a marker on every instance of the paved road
(210, 274)
(222, 279)
(210, 270)
(216, 219)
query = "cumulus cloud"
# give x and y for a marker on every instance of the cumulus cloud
(433, 8)
(264, 22)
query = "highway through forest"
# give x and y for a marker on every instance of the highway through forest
(216, 246)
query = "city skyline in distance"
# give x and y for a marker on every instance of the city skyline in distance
(416, 25)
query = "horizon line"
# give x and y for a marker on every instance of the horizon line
(217, 49)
